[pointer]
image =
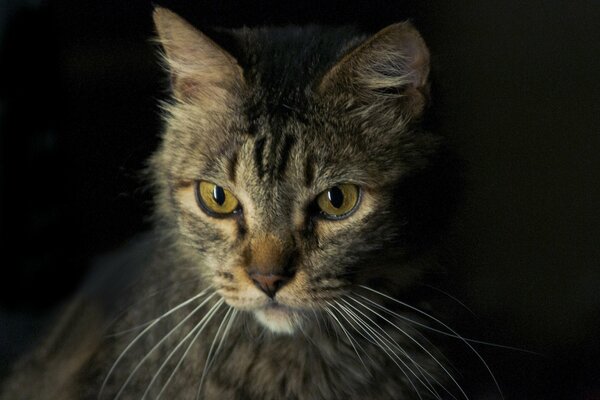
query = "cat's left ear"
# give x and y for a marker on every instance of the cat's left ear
(200, 69)
(390, 68)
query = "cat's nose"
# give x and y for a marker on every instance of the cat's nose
(268, 283)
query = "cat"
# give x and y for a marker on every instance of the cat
(298, 199)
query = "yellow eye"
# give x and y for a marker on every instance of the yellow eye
(337, 202)
(215, 200)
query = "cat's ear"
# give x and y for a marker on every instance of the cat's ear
(200, 69)
(391, 66)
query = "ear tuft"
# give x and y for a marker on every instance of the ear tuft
(392, 64)
(199, 67)
(396, 57)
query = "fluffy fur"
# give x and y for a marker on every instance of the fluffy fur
(276, 116)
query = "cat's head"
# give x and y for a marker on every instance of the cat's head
(286, 162)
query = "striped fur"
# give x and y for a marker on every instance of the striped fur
(276, 117)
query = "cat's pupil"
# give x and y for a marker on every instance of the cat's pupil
(335, 196)
(219, 195)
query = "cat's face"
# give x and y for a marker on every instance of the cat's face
(287, 201)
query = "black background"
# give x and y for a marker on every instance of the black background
(515, 90)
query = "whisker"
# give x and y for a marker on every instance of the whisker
(167, 288)
(466, 342)
(347, 335)
(227, 328)
(412, 321)
(339, 308)
(390, 339)
(463, 305)
(166, 384)
(246, 327)
(211, 356)
(129, 330)
(394, 361)
(416, 332)
(414, 341)
(141, 334)
(198, 328)
(157, 345)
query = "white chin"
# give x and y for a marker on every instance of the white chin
(277, 319)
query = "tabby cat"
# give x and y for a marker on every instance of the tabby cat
(297, 203)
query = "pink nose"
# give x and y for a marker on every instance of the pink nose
(268, 283)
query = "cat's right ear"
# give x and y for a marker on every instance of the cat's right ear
(390, 68)
(200, 69)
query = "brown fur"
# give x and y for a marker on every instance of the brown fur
(276, 141)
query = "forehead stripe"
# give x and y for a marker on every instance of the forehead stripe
(259, 145)
(284, 157)
(309, 171)
(232, 167)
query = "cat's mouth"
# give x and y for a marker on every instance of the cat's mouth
(278, 317)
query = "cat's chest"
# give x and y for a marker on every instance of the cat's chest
(249, 366)
(295, 368)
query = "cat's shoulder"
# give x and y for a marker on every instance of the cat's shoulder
(76, 328)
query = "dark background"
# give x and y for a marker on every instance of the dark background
(515, 90)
